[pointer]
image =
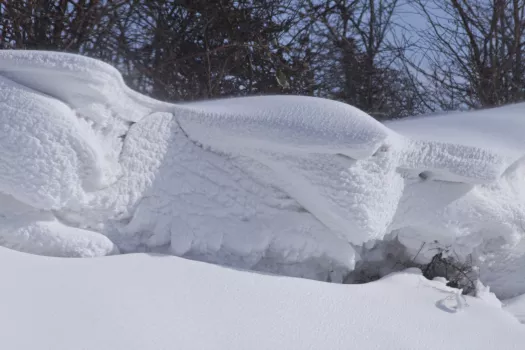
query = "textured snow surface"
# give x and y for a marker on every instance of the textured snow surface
(139, 301)
(289, 185)
(283, 124)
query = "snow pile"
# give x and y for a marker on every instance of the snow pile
(139, 301)
(290, 185)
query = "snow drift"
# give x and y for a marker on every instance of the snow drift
(137, 301)
(286, 184)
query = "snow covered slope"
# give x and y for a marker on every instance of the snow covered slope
(284, 184)
(516, 306)
(160, 302)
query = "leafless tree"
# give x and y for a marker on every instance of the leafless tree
(358, 63)
(64, 25)
(472, 52)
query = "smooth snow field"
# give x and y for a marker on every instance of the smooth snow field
(267, 187)
(137, 302)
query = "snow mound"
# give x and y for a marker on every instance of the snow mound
(284, 184)
(139, 301)
(90, 87)
(283, 124)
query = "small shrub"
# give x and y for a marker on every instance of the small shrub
(460, 275)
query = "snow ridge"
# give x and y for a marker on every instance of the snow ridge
(284, 184)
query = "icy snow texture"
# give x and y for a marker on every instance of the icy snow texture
(284, 184)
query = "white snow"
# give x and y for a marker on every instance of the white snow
(282, 184)
(516, 306)
(140, 301)
(287, 185)
(282, 124)
(90, 87)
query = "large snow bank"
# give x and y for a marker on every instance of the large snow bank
(289, 185)
(159, 302)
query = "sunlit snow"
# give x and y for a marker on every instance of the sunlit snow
(289, 185)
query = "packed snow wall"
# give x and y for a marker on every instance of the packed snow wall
(286, 184)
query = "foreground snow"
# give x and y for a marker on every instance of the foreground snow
(161, 302)
(291, 185)
(516, 306)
